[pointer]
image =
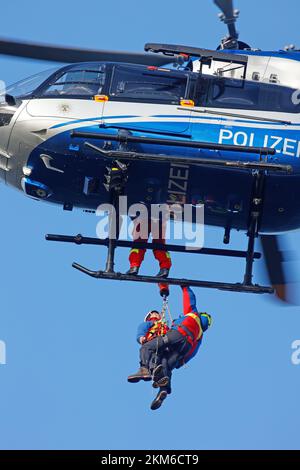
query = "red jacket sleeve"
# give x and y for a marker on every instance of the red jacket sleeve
(189, 301)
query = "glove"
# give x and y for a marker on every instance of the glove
(164, 290)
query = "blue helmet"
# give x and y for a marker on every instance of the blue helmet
(206, 320)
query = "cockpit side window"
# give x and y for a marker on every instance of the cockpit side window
(82, 83)
(147, 85)
(249, 95)
(230, 93)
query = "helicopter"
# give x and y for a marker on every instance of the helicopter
(180, 124)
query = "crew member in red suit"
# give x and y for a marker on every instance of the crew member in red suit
(137, 255)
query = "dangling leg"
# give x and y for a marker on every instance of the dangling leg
(158, 400)
(169, 362)
(164, 384)
(158, 229)
(147, 352)
(161, 395)
(161, 374)
(178, 347)
(155, 362)
(142, 374)
(136, 255)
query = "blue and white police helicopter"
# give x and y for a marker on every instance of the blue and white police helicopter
(176, 124)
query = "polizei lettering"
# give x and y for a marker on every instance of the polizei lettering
(283, 145)
(178, 184)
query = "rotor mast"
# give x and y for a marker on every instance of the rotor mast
(229, 16)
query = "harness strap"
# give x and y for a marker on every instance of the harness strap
(198, 321)
(187, 333)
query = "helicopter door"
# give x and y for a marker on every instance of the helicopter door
(66, 110)
(206, 126)
(147, 99)
(73, 94)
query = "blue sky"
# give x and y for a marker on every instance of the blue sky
(71, 339)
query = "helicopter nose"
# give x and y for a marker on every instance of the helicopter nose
(4, 157)
(7, 111)
(4, 161)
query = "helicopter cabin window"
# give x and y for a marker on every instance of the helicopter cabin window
(81, 83)
(148, 85)
(242, 94)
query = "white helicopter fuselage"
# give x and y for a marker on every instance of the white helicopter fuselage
(36, 146)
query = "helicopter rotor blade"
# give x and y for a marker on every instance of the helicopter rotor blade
(229, 16)
(280, 268)
(273, 260)
(73, 55)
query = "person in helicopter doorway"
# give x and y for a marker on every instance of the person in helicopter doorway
(142, 228)
(170, 349)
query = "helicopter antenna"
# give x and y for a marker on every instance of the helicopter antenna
(229, 16)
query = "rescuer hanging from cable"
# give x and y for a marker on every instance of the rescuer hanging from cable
(169, 348)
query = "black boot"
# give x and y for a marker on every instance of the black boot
(159, 378)
(163, 272)
(133, 271)
(142, 374)
(158, 400)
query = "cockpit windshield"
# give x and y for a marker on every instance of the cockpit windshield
(86, 80)
(26, 87)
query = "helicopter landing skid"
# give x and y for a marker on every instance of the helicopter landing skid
(112, 242)
(110, 274)
(226, 286)
(250, 255)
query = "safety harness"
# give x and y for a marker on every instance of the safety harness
(164, 321)
(161, 327)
